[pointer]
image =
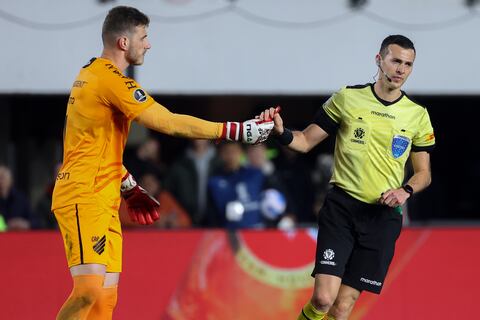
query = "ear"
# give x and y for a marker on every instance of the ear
(377, 59)
(122, 43)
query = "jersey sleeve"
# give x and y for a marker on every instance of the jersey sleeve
(329, 116)
(126, 95)
(424, 140)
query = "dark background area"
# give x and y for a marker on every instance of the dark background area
(37, 120)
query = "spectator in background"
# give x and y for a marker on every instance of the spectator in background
(295, 174)
(235, 191)
(257, 157)
(14, 205)
(44, 216)
(321, 179)
(172, 215)
(188, 177)
(146, 159)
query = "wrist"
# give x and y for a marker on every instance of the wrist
(232, 131)
(277, 132)
(128, 183)
(284, 138)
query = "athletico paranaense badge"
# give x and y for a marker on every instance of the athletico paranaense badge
(399, 145)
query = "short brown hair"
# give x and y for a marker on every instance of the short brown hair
(397, 39)
(120, 20)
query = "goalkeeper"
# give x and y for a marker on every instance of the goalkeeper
(102, 104)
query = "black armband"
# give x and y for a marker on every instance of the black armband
(285, 138)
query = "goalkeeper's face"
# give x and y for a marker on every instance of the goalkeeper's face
(138, 45)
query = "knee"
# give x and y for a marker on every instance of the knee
(87, 296)
(87, 290)
(322, 300)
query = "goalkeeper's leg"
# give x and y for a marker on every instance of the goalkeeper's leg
(86, 290)
(106, 302)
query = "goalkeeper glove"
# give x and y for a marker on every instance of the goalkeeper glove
(252, 131)
(141, 206)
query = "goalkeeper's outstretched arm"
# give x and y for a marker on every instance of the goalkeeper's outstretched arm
(160, 119)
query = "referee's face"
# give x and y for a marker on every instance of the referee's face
(138, 46)
(397, 65)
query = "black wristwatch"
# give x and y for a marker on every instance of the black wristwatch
(408, 189)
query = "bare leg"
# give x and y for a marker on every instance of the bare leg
(343, 305)
(324, 293)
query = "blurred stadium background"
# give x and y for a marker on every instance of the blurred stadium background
(226, 60)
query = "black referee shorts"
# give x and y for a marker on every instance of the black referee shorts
(356, 240)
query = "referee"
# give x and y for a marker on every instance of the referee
(377, 128)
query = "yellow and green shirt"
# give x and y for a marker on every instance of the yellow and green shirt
(374, 138)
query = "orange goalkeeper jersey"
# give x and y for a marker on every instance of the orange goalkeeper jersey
(101, 106)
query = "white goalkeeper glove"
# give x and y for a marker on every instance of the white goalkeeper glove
(250, 132)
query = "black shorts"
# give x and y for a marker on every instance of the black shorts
(356, 240)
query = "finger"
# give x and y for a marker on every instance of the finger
(385, 194)
(392, 201)
(141, 218)
(148, 218)
(132, 215)
(278, 109)
(271, 113)
(155, 215)
(262, 115)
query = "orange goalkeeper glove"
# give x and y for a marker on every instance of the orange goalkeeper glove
(141, 206)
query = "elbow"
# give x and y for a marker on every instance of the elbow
(306, 149)
(429, 180)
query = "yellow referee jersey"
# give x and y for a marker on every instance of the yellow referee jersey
(101, 106)
(374, 138)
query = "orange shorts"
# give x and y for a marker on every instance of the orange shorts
(91, 234)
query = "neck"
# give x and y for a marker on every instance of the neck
(385, 92)
(118, 58)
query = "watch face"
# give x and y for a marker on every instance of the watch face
(408, 188)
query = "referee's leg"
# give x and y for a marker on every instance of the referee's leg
(344, 303)
(325, 291)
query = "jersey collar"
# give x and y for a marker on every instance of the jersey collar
(385, 102)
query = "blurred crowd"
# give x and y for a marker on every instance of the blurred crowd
(226, 185)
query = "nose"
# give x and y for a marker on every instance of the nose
(401, 68)
(148, 45)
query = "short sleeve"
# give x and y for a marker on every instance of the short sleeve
(329, 116)
(424, 140)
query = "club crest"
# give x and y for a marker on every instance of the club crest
(399, 145)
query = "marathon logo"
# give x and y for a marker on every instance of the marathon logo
(372, 282)
(382, 114)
